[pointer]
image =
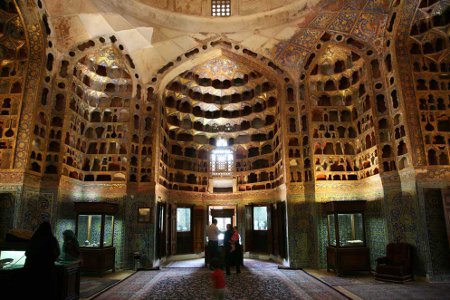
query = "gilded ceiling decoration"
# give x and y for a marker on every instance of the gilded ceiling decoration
(221, 68)
(107, 57)
(364, 20)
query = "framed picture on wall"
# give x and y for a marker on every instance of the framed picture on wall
(144, 215)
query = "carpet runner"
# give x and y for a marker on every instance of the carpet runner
(258, 280)
(91, 286)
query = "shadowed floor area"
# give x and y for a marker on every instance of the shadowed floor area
(366, 287)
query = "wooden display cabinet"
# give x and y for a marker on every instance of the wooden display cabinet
(347, 250)
(95, 233)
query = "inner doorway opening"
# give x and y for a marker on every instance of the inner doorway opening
(224, 215)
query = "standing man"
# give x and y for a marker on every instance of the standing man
(231, 257)
(213, 240)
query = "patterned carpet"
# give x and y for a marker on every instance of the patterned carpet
(258, 280)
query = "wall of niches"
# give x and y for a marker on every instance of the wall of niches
(88, 109)
(342, 125)
(49, 113)
(344, 143)
(430, 60)
(393, 130)
(354, 111)
(96, 143)
(141, 161)
(13, 70)
(349, 113)
(298, 146)
(250, 107)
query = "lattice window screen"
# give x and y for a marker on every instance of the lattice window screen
(221, 8)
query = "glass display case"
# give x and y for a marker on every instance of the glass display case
(346, 250)
(95, 234)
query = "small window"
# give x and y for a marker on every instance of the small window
(260, 218)
(183, 219)
(221, 8)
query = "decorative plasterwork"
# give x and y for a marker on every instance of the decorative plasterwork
(35, 40)
(221, 68)
(364, 20)
(107, 57)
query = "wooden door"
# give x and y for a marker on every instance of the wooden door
(184, 229)
(248, 228)
(275, 230)
(261, 233)
(173, 229)
(161, 230)
(199, 228)
(282, 232)
(446, 204)
(270, 229)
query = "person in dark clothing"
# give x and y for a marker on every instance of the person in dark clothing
(41, 254)
(71, 248)
(231, 257)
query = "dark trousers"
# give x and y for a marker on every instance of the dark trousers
(213, 250)
(233, 259)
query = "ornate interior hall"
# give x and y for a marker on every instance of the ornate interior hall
(320, 128)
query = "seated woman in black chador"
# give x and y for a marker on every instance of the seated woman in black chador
(71, 248)
(42, 252)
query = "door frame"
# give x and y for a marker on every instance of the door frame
(250, 238)
(189, 235)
